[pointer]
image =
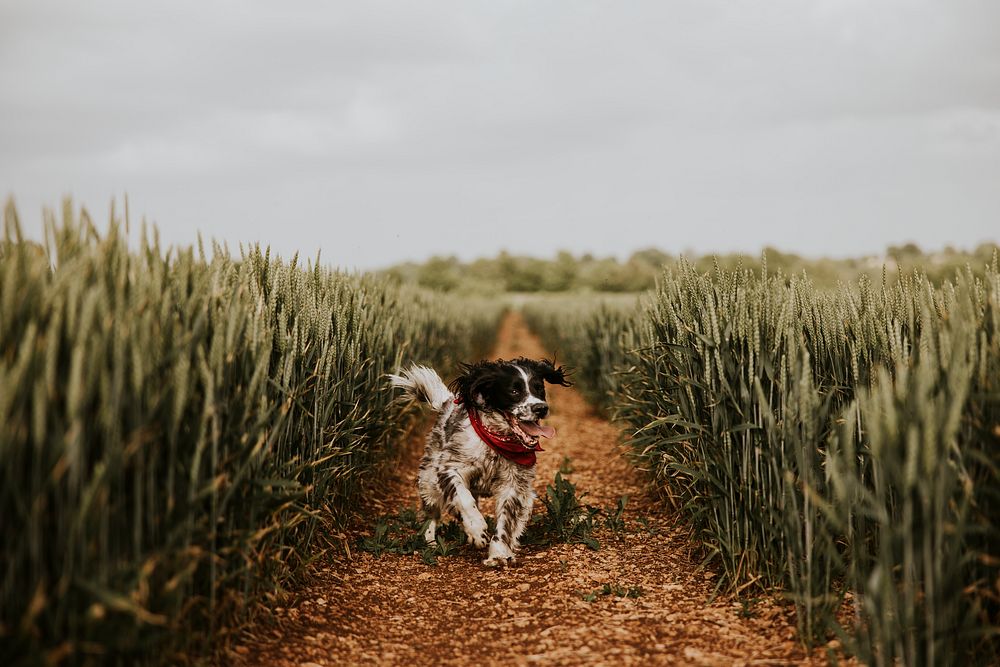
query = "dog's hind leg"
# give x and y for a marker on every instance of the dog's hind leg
(431, 502)
(432, 517)
(458, 496)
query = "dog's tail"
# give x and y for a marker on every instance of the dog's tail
(420, 382)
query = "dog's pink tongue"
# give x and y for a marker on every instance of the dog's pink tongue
(536, 429)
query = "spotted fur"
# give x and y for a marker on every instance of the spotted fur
(458, 468)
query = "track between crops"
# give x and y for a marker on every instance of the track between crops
(395, 610)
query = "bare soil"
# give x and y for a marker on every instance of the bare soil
(395, 610)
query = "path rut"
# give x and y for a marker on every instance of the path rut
(395, 610)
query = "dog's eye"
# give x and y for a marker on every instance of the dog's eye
(514, 391)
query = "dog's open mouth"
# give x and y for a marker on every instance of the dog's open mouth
(529, 432)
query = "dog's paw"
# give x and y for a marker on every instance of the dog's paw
(477, 532)
(500, 554)
(500, 561)
(430, 535)
(480, 540)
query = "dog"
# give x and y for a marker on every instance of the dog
(483, 444)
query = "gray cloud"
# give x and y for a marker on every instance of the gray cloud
(384, 131)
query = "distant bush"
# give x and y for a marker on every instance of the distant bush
(567, 273)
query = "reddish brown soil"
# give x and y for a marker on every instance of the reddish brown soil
(395, 610)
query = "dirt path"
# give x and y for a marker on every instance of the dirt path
(396, 610)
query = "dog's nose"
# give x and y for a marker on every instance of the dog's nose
(540, 410)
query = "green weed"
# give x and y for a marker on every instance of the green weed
(566, 520)
(614, 519)
(608, 590)
(403, 534)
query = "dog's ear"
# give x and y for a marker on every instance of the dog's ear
(475, 379)
(548, 371)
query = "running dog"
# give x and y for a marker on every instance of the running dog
(483, 444)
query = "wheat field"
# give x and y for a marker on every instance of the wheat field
(841, 446)
(182, 430)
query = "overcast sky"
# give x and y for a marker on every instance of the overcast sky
(385, 131)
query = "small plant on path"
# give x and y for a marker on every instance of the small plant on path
(648, 527)
(566, 467)
(403, 534)
(615, 519)
(566, 520)
(616, 590)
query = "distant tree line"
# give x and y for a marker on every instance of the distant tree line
(567, 272)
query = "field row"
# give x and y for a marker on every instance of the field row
(180, 430)
(842, 446)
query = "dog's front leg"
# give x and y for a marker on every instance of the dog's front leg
(512, 516)
(457, 494)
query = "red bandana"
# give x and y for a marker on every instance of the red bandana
(506, 445)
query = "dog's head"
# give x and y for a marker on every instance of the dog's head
(515, 389)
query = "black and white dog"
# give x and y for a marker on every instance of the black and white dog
(483, 444)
